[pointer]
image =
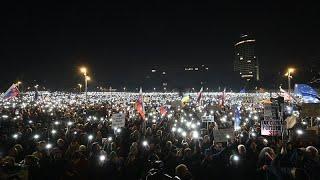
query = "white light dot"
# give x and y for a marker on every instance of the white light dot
(102, 157)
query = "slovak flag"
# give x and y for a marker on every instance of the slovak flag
(199, 95)
(140, 105)
(13, 91)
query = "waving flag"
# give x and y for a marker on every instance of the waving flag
(163, 110)
(13, 91)
(140, 105)
(286, 95)
(199, 96)
(223, 96)
(308, 94)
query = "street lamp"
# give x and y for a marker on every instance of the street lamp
(83, 70)
(18, 84)
(289, 75)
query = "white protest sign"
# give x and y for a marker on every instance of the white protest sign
(271, 124)
(207, 118)
(118, 120)
(222, 135)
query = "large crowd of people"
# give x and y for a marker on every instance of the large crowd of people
(63, 136)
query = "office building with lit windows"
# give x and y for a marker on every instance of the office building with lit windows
(245, 62)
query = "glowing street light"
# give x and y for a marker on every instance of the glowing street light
(83, 70)
(289, 75)
(88, 78)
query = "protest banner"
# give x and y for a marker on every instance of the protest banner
(271, 124)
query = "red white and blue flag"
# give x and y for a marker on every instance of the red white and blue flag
(13, 91)
(140, 105)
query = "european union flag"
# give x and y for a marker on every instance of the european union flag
(308, 94)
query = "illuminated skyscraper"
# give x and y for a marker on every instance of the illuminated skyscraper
(245, 61)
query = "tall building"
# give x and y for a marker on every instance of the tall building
(245, 61)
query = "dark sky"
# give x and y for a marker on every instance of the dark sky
(119, 40)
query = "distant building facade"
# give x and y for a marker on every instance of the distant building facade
(245, 61)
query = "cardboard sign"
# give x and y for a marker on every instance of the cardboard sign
(222, 135)
(271, 124)
(118, 120)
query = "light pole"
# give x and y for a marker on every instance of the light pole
(80, 86)
(18, 85)
(83, 70)
(289, 75)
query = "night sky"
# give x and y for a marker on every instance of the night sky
(119, 41)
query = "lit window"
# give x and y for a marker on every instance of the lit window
(164, 73)
(249, 61)
(241, 58)
(153, 70)
(196, 69)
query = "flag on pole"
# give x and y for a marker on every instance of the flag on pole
(223, 97)
(13, 91)
(199, 96)
(285, 94)
(140, 105)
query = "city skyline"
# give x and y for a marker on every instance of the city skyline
(118, 42)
